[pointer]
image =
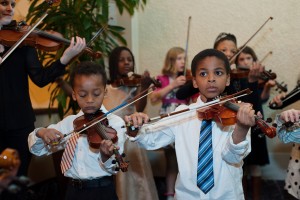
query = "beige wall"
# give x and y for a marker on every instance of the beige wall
(163, 24)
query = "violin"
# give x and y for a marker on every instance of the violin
(242, 72)
(265, 76)
(290, 126)
(290, 98)
(222, 110)
(97, 133)
(46, 41)
(9, 165)
(225, 114)
(9, 159)
(136, 80)
(187, 73)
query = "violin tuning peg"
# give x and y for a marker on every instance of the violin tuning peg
(269, 120)
(114, 162)
(274, 125)
(123, 155)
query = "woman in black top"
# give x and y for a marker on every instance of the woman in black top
(16, 112)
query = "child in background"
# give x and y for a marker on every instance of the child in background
(138, 182)
(221, 175)
(259, 154)
(171, 79)
(91, 168)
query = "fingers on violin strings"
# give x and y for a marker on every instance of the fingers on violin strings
(72, 43)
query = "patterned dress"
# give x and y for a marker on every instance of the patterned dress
(169, 102)
(292, 180)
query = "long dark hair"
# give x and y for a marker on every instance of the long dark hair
(114, 62)
(247, 50)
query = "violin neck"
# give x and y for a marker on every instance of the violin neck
(231, 106)
(53, 37)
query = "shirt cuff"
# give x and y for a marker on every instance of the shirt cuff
(36, 138)
(239, 148)
(108, 165)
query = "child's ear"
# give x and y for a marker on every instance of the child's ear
(228, 80)
(195, 83)
(73, 95)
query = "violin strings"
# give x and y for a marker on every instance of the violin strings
(109, 112)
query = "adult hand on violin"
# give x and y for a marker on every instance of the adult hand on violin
(49, 135)
(107, 148)
(73, 50)
(291, 115)
(254, 72)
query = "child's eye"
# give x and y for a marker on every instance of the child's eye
(82, 94)
(219, 73)
(4, 3)
(203, 74)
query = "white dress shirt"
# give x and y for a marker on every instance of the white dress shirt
(184, 129)
(87, 162)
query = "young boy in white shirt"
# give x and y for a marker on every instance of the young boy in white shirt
(213, 171)
(91, 168)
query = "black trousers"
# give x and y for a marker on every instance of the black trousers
(18, 139)
(101, 188)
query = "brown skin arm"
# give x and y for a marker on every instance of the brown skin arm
(245, 119)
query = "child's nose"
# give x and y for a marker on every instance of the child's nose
(90, 98)
(211, 77)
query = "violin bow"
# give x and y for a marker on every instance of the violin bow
(206, 105)
(12, 48)
(265, 57)
(280, 86)
(118, 108)
(244, 45)
(96, 35)
(187, 44)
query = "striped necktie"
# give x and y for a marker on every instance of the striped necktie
(205, 173)
(68, 155)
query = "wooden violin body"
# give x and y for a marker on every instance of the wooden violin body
(9, 165)
(136, 80)
(98, 132)
(43, 40)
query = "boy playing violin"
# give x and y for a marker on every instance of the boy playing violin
(91, 168)
(210, 155)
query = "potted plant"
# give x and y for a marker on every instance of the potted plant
(83, 18)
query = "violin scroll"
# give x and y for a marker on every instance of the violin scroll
(136, 80)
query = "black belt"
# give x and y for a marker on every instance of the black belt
(91, 183)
